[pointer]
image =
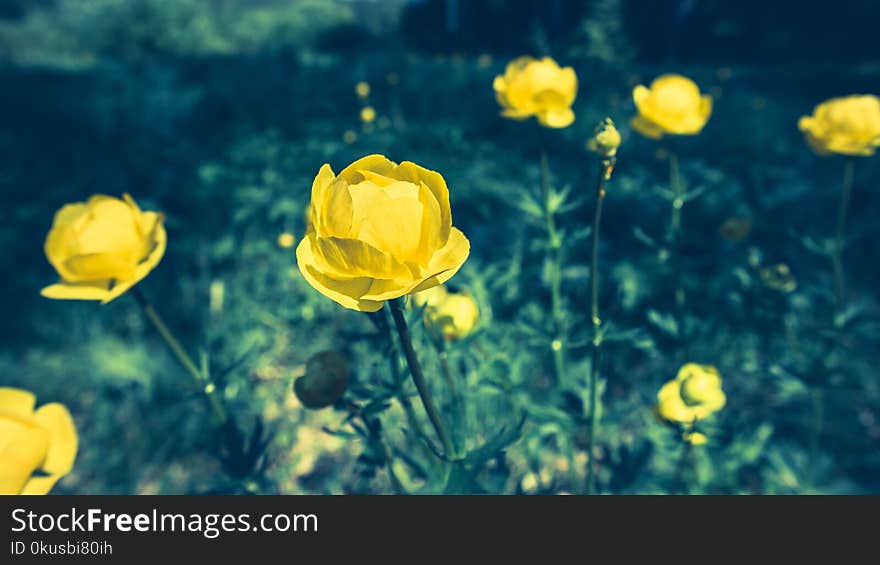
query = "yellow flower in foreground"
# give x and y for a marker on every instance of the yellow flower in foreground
(42, 442)
(540, 88)
(453, 315)
(380, 231)
(102, 247)
(362, 89)
(672, 105)
(693, 395)
(368, 114)
(847, 126)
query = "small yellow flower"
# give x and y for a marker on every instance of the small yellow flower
(453, 315)
(368, 114)
(362, 89)
(286, 240)
(430, 298)
(380, 231)
(695, 438)
(42, 441)
(672, 105)
(102, 247)
(693, 395)
(846, 126)
(779, 277)
(350, 136)
(540, 88)
(606, 141)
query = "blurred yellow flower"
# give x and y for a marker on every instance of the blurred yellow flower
(540, 88)
(779, 277)
(42, 441)
(102, 247)
(368, 114)
(453, 315)
(606, 140)
(847, 126)
(484, 61)
(286, 240)
(672, 105)
(695, 438)
(350, 136)
(380, 231)
(430, 298)
(362, 89)
(693, 395)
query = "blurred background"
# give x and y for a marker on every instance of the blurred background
(220, 112)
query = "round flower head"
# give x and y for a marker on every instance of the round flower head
(453, 315)
(540, 88)
(379, 231)
(36, 447)
(672, 105)
(102, 247)
(845, 126)
(693, 395)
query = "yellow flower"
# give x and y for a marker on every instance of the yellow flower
(453, 315)
(380, 231)
(368, 114)
(673, 105)
(430, 298)
(102, 247)
(695, 438)
(43, 441)
(847, 126)
(606, 141)
(693, 395)
(540, 88)
(362, 89)
(286, 240)
(778, 277)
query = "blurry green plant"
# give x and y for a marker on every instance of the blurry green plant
(76, 33)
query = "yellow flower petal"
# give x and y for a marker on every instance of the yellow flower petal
(348, 293)
(16, 402)
(63, 444)
(23, 448)
(96, 290)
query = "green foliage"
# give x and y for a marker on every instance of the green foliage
(76, 33)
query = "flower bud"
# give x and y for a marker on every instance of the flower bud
(606, 139)
(324, 381)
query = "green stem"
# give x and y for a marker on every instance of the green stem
(418, 377)
(201, 378)
(681, 482)
(837, 255)
(408, 410)
(457, 401)
(675, 241)
(557, 344)
(815, 432)
(605, 169)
